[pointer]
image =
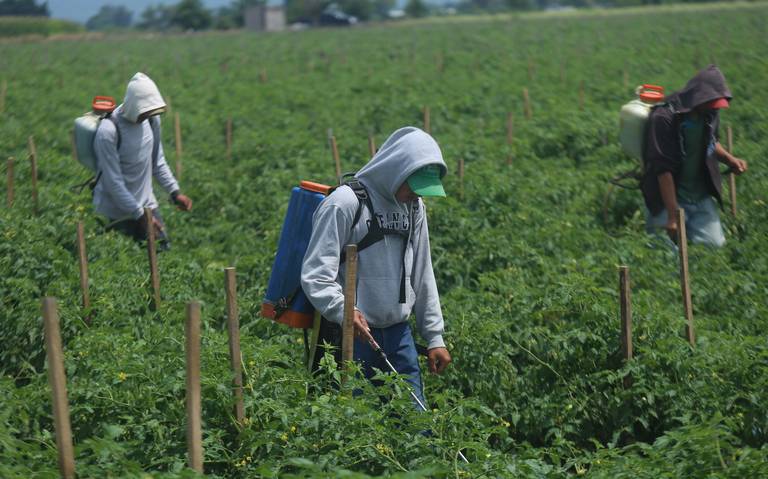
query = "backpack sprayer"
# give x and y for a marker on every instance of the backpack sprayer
(378, 350)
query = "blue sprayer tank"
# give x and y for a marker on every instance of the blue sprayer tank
(285, 302)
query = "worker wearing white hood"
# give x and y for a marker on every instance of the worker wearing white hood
(395, 276)
(129, 153)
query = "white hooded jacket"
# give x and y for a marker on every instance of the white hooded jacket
(380, 266)
(124, 188)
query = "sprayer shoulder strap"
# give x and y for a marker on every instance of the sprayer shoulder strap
(375, 232)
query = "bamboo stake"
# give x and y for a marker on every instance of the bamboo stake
(461, 178)
(194, 421)
(510, 135)
(581, 95)
(626, 79)
(33, 161)
(426, 120)
(527, 104)
(626, 312)
(58, 381)
(350, 298)
(685, 286)
(152, 253)
(229, 139)
(263, 76)
(9, 174)
(177, 127)
(336, 160)
(371, 145)
(233, 326)
(530, 70)
(83, 262)
(732, 175)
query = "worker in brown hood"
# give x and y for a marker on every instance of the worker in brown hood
(681, 159)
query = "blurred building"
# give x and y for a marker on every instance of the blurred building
(265, 18)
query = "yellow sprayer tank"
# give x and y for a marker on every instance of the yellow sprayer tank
(634, 116)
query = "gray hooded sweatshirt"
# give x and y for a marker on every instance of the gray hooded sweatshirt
(124, 188)
(380, 265)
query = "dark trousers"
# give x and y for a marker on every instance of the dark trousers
(136, 230)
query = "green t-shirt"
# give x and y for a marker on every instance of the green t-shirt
(692, 186)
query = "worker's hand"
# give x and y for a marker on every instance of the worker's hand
(738, 165)
(439, 359)
(671, 228)
(183, 202)
(155, 223)
(362, 330)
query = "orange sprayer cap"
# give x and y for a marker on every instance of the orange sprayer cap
(316, 187)
(651, 93)
(103, 104)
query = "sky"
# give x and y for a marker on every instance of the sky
(82, 10)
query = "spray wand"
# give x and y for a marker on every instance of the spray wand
(377, 349)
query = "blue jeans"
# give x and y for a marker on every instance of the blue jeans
(702, 222)
(397, 342)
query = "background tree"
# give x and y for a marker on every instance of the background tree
(156, 17)
(23, 7)
(191, 15)
(381, 8)
(361, 9)
(416, 8)
(110, 17)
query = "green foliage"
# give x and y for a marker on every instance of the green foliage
(23, 8)
(525, 260)
(16, 26)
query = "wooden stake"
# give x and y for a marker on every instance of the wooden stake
(233, 326)
(83, 262)
(9, 174)
(229, 139)
(33, 161)
(530, 70)
(626, 79)
(682, 244)
(350, 298)
(581, 95)
(527, 104)
(371, 145)
(58, 381)
(194, 421)
(336, 160)
(626, 312)
(177, 127)
(732, 175)
(461, 178)
(426, 120)
(263, 76)
(3, 91)
(154, 275)
(510, 135)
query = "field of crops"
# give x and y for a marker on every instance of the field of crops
(525, 258)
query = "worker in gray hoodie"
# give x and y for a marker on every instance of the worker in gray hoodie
(129, 153)
(395, 276)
